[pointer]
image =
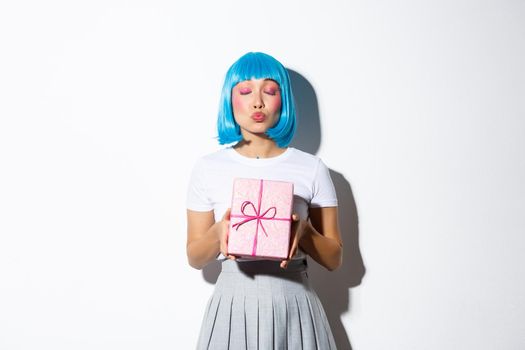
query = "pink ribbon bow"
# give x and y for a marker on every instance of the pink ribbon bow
(269, 214)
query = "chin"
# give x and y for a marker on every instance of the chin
(259, 129)
(257, 133)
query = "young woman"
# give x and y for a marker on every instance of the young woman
(262, 304)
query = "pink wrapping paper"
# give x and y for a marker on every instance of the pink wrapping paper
(260, 218)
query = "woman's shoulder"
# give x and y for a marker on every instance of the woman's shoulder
(299, 153)
(305, 157)
(216, 156)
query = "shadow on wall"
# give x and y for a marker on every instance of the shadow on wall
(332, 287)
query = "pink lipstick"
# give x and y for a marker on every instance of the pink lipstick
(258, 117)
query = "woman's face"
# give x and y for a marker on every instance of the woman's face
(256, 105)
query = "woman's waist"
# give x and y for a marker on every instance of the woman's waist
(253, 267)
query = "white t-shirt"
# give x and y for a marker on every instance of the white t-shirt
(211, 181)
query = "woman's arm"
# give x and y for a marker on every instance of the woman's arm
(319, 237)
(206, 238)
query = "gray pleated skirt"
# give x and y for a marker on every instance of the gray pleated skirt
(258, 305)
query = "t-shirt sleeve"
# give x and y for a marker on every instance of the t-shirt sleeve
(323, 188)
(197, 198)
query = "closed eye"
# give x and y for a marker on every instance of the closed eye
(245, 91)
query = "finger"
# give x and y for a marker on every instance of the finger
(284, 264)
(225, 235)
(292, 253)
(224, 250)
(226, 216)
(293, 249)
(224, 244)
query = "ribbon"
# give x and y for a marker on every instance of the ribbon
(269, 214)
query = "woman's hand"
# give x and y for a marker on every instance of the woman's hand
(222, 233)
(206, 237)
(298, 231)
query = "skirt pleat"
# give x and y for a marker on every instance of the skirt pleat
(307, 326)
(251, 319)
(293, 325)
(221, 331)
(208, 324)
(319, 330)
(257, 305)
(238, 324)
(279, 319)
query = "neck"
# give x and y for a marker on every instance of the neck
(259, 148)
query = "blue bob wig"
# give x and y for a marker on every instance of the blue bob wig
(257, 65)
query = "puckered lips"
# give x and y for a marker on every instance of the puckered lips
(258, 117)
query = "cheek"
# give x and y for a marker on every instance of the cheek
(275, 104)
(237, 103)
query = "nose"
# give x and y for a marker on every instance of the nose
(258, 102)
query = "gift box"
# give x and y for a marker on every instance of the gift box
(260, 218)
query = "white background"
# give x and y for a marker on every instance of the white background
(416, 106)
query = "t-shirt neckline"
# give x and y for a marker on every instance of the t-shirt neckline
(261, 161)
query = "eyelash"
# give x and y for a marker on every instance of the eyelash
(271, 92)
